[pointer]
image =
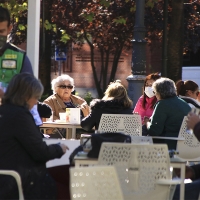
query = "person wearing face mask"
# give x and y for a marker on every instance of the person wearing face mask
(168, 113)
(145, 103)
(13, 60)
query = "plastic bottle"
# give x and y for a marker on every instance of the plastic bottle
(67, 114)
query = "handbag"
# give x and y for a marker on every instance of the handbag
(95, 141)
(99, 138)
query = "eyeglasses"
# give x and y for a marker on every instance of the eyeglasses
(65, 86)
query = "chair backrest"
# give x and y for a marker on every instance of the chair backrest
(98, 182)
(189, 149)
(130, 124)
(17, 178)
(138, 166)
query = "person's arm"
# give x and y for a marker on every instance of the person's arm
(89, 122)
(82, 104)
(27, 67)
(28, 135)
(138, 106)
(49, 102)
(156, 126)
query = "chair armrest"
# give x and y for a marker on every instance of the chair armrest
(168, 138)
(168, 182)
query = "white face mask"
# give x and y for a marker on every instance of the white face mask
(149, 92)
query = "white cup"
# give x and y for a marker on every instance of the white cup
(62, 116)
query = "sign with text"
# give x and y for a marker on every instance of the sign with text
(60, 54)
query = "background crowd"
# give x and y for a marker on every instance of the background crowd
(162, 108)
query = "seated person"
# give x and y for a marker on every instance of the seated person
(21, 144)
(145, 104)
(188, 91)
(192, 190)
(168, 113)
(115, 101)
(63, 86)
(44, 110)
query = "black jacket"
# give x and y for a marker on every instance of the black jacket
(23, 150)
(99, 107)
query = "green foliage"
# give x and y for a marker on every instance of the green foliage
(21, 27)
(105, 3)
(120, 20)
(89, 17)
(65, 38)
(88, 97)
(48, 25)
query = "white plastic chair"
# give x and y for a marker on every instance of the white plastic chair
(18, 180)
(143, 170)
(98, 183)
(130, 124)
(188, 147)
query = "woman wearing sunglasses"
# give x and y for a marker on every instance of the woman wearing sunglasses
(62, 87)
(188, 91)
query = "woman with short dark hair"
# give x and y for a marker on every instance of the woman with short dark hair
(21, 144)
(168, 113)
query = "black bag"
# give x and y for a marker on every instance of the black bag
(96, 141)
(99, 138)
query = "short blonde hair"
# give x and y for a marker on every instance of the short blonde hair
(60, 80)
(116, 90)
(21, 88)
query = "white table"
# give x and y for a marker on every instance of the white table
(67, 126)
(64, 160)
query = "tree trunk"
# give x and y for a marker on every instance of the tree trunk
(175, 42)
(45, 51)
(115, 62)
(97, 83)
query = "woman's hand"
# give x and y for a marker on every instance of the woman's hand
(192, 120)
(64, 148)
(146, 119)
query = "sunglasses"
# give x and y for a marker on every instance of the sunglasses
(65, 86)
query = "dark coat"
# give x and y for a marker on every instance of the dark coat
(23, 150)
(99, 107)
(167, 118)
